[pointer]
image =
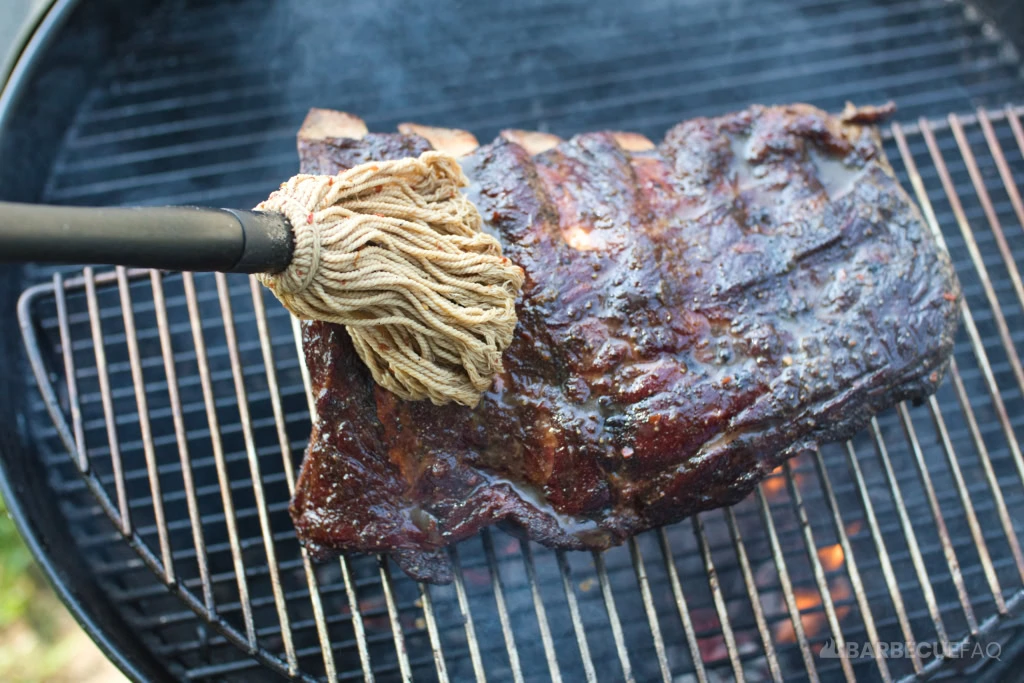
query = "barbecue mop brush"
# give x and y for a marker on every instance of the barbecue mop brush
(392, 250)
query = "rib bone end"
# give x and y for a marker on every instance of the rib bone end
(329, 123)
(456, 142)
(533, 141)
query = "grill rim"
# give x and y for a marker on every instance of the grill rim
(130, 661)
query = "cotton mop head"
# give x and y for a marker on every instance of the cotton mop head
(394, 251)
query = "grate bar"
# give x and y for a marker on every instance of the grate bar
(432, 632)
(194, 515)
(316, 603)
(681, 606)
(786, 583)
(940, 523)
(577, 620)
(755, 599)
(883, 555)
(851, 565)
(652, 614)
(467, 616)
(499, 598)
(541, 612)
(230, 520)
(614, 622)
(716, 594)
(357, 619)
(819, 573)
(139, 383)
(613, 616)
(394, 617)
(1012, 115)
(254, 470)
(67, 351)
(909, 536)
(103, 376)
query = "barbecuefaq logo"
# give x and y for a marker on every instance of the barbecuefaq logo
(900, 650)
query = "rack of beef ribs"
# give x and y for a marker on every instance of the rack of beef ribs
(695, 312)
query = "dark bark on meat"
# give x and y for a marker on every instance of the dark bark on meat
(692, 316)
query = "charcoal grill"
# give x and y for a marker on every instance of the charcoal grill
(151, 473)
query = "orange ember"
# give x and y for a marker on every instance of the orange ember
(775, 483)
(831, 557)
(813, 620)
(853, 528)
(806, 598)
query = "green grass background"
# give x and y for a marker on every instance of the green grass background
(19, 580)
(39, 641)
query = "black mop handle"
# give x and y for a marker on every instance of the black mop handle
(167, 238)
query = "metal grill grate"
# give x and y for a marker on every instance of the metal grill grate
(188, 407)
(911, 532)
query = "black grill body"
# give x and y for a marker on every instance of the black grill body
(197, 102)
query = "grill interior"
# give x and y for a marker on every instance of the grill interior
(909, 533)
